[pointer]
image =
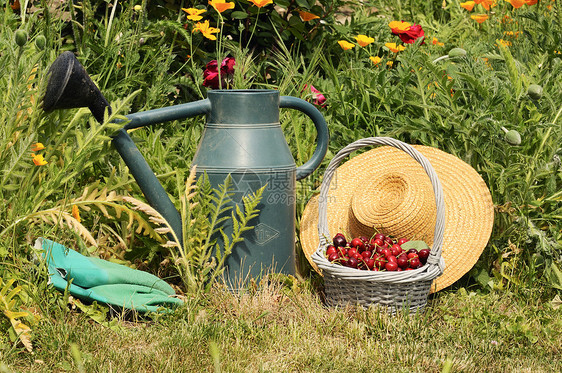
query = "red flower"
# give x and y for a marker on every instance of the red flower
(211, 73)
(317, 97)
(410, 34)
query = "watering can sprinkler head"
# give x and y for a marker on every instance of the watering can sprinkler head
(70, 87)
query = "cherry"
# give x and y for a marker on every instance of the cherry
(351, 251)
(412, 255)
(357, 243)
(401, 241)
(370, 263)
(412, 251)
(367, 254)
(396, 249)
(402, 261)
(379, 236)
(331, 249)
(392, 258)
(352, 262)
(389, 241)
(339, 240)
(391, 266)
(333, 257)
(415, 262)
(377, 242)
(386, 253)
(424, 254)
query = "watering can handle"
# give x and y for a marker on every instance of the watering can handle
(321, 128)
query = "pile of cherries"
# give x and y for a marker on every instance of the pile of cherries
(379, 253)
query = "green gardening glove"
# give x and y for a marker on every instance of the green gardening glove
(94, 279)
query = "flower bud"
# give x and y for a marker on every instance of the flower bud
(457, 52)
(40, 42)
(534, 91)
(20, 37)
(513, 137)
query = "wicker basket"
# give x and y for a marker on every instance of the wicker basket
(406, 290)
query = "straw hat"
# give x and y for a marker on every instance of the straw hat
(387, 191)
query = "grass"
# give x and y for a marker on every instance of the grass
(288, 329)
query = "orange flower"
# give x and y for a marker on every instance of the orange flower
(261, 3)
(469, 5)
(345, 45)
(364, 40)
(305, 16)
(38, 159)
(437, 42)
(76, 213)
(479, 17)
(206, 30)
(220, 6)
(37, 146)
(532, 2)
(376, 60)
(194, 13)
(399, 26)
(395, 48)
(487, 4)
(517, 3)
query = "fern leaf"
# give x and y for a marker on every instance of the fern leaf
(7, 304)
(514, 75)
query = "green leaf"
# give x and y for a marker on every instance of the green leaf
(239, 15)
(416, 244)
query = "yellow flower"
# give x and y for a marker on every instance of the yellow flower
(469, 5)
(261, 3)
(389, 63)
(517, 3)
(345, 45)
(194, 13)
(395, 48)
(305, 16)
(220, 6)
(364, 40)
(479, 17)
(399, 26)
(505, 43)
(437, 42)
(76, 213)
(38, 159)
(37, 146)
(206, 30)
(376, 60)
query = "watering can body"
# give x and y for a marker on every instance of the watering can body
(242, 139)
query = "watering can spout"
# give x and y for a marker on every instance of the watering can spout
(69, 86)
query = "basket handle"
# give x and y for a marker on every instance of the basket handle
(323, 230)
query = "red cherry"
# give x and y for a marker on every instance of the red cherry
(389, 241)
(352, 262)
(412, 251)
(380, 236)
(367, 254)
(424, 254)
(402, 261)
(386, 253)
(351, 251)
(401, 241)
(370, 263)
(412, 255)
(331, 249)
(392, 258)
(357, 243)
(391, 266)
(378, 242)
(357, 256)
(415, 262)
(333, 257)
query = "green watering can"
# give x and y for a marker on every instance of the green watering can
(242, 138)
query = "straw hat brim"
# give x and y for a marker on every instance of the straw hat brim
(469, 210)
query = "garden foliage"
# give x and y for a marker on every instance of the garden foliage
(60, 177)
